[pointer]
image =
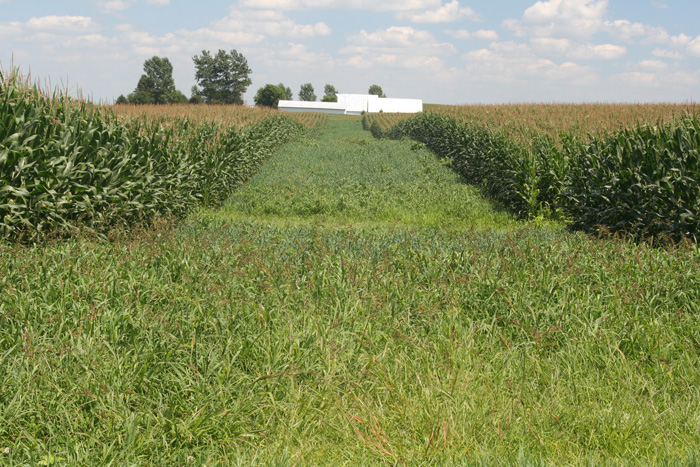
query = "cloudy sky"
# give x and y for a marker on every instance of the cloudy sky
(443, 51)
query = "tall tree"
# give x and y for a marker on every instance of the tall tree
(288, 94)
(376, 90)
(330, 93)
(269, 96)
(223, 77)
(156, 85)
(306, 93)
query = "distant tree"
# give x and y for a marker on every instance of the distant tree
(156, 85)
(306, 93)
(330, 93)
(223, 77)
(269, 96)
(288, 94)
(177, 97)
(376, 90)
(122, 100)
(196, 96)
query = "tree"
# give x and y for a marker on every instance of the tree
(306, 93)
(269, 96)
(223, 78)
(156, 85)
(330, 93)
(196, 96)
(176, 97)
(121, 100)
(288, 94)
(376, 90)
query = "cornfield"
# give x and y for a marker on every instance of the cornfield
(607, 171)
(66, 164)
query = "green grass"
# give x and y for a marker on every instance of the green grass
(346, 177)
(330, 338)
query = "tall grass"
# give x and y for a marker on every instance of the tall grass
(642, 180)
(304, 324)
(67, 164)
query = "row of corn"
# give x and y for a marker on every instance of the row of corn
(643, 181)
(67, 165)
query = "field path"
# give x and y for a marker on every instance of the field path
(345, 176)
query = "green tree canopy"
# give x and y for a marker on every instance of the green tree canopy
(306, 93)
(288, 94)
(376, 90)
(330, 93)
(156, 85)
(269, 96)
(223, 78)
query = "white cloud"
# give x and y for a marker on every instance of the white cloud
(564, 47)
(447, 13)
(398, 40)
(625, 30)
(396, 47)
(548, 45)
(113, 6)
(61, 24)
(694, 47)
(482, 34)
(598, 52)
(664, 53)
(511, 62)
(639, 78)
(486, 35)
(369, 5)
(252, 26)
(560, 18)
(653, 65)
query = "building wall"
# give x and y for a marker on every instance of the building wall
(355, 104)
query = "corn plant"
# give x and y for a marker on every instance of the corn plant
(66, 164)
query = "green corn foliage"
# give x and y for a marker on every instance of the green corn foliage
(67, 164)
(526, 179)
(644, 182)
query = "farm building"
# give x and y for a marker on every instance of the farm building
(355, 104)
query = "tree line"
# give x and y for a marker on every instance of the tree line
(222, 78)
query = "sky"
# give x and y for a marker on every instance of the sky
(441, 51)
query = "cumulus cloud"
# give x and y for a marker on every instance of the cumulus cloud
(565, 47)
(560, 18)
(482, 34)
(400, 47)
(53, 31)
(665, 53)
(268, 23)
(398, 40)
(370, 5)
(61, 24)
(625, 30)
(447, 13)
(112, 6)
(512, 62)
(653, 65)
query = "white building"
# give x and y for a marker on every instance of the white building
(355, 104)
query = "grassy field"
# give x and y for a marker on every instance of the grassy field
(354, 304)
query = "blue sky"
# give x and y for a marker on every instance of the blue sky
(442, 51)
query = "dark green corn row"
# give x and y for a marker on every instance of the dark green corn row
(643, 182)
(66, 164)
(526, 179)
